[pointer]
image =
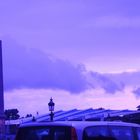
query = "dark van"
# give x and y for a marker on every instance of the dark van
(70, 130)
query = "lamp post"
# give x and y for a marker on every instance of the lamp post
(51, 105)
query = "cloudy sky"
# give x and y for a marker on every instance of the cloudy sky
(82, 53)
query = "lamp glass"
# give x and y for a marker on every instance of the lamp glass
(51, 108)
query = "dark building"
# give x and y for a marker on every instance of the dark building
(2, 122)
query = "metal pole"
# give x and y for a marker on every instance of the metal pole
(51, 116)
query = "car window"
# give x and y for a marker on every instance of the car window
(60, 133)
(95, 131)
(33, 133)
(122, 133)
(138, 133)
(43, 133)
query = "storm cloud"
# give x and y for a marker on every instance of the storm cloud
(137, 92)
(100, 80)
(31, 68)
(34, 69)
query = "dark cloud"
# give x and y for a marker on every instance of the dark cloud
(30, 68)
(129, 78)
(106, 83)
(137, 92)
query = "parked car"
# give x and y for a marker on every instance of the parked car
(80, 130)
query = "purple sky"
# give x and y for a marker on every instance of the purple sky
(53, 48)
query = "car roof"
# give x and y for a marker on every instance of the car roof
(78, 124)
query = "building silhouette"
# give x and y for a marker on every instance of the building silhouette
(2, 122)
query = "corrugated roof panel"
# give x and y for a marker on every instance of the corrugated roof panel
(81, 114)
(66, 115)
(98, 114)
(123, 112)
(47, 117)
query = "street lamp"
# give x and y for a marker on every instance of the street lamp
(51, 105)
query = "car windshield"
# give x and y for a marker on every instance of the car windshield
(44, 133)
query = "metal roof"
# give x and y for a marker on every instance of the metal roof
(75, 115)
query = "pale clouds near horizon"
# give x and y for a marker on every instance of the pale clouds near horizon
(32, 100)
